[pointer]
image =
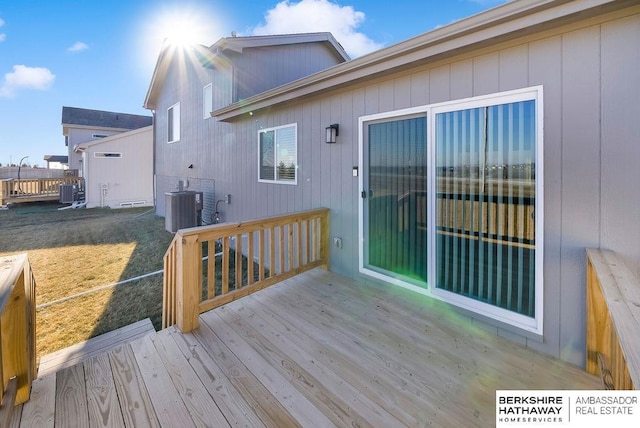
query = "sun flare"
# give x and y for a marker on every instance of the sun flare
(183, 26)
(182, 30)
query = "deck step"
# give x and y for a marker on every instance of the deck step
(82, 351)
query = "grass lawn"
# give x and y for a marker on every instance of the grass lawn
(72, 251)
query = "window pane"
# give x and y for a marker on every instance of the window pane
(173, 123)
(485, 185)
(207, 101)
(286, 153)
(397, 199)
(170, 125)
(176, 122)
(267, 155)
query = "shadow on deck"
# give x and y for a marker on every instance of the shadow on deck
(315, 350)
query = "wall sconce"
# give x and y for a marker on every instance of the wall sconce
(332, 133)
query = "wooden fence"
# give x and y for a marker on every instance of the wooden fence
(613, 321)
(198, 270)
(13, 190)
(17, 330)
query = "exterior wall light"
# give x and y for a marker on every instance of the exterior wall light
(332, 133)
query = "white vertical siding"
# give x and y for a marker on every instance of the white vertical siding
(128, 179)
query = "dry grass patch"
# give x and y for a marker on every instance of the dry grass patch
(72, 251)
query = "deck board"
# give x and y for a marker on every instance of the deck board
(204, 411)
(322, 386)
(102, 400)
(316, 350)
(167, 403)
(268, 374)
(135, 403)
(71, 398)
(266, 406)
(39, 411)
(233, 404)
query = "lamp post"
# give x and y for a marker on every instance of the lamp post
(19, 168)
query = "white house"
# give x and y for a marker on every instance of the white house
(118, 170)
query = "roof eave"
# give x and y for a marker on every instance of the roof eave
(507, 21)
(159, 72)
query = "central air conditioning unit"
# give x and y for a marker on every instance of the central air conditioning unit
(68, 193)
(182, 210)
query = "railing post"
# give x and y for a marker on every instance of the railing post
(189, 280)
(17, 327)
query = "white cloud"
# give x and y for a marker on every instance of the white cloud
(78, 47)
(308, 16)
(24, 77)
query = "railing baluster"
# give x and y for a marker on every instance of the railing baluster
(261, 260)
(281, 258)
(238, 262)
(250, 273)
(290, 250)
(225, 265)
(300, 262)
(211, 269)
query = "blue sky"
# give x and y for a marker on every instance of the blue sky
(101, 54)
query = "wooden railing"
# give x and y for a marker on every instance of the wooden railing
(14, 189)
(17, 330)
(613, 321)
(198, 271)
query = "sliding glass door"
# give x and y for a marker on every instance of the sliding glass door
(395, 199)
(485, 204)
(452, 203)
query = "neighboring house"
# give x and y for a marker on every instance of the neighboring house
(81, 125)
(192, 150)
(473, 163)
(118, 170)
(57, 161)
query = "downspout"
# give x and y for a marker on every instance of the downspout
(153, 138)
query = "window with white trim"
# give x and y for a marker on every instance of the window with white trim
(173, 123)
(278, 154)
(453, 203)
(207, 101)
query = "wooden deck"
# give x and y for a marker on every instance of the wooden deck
(316, 350)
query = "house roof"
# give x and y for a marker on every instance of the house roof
(501, 24)
(103, 119)
(56, 158)
(216, 52)
(83, 146)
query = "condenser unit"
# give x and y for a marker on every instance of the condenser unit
(182, 210)
(68, 193)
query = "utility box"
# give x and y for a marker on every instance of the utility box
(68, 193)
(182, 210)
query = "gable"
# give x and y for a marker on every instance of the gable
(303, 54)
